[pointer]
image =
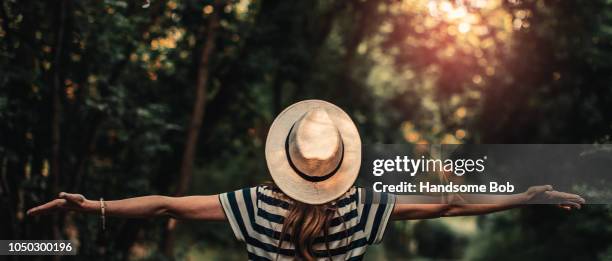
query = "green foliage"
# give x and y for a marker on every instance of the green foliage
(437, 241)
(540, 233)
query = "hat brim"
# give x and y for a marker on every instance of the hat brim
(288, 180)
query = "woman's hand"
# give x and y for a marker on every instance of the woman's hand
(546, 195)
(65, 201)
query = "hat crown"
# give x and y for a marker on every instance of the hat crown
(315, 145)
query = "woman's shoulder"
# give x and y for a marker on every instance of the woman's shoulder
(272, 196)
(370, 196)
(270, 191)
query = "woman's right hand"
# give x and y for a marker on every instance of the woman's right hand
(65, 201)
(546, 195)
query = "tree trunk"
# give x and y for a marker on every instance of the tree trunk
(56, 110)
(195, 124)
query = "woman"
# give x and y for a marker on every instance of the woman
(312, 210)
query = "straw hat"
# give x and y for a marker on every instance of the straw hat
(313, 151)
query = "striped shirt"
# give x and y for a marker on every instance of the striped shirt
(256, 216)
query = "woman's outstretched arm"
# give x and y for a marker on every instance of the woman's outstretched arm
(190, 207)
(460, 206)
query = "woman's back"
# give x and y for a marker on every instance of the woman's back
(257, 215)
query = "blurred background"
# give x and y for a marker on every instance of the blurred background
(118, 99)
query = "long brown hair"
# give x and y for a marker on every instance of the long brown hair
(304, 223)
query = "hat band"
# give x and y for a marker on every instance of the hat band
(306, 176)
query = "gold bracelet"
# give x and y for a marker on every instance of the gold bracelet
(103, 213)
